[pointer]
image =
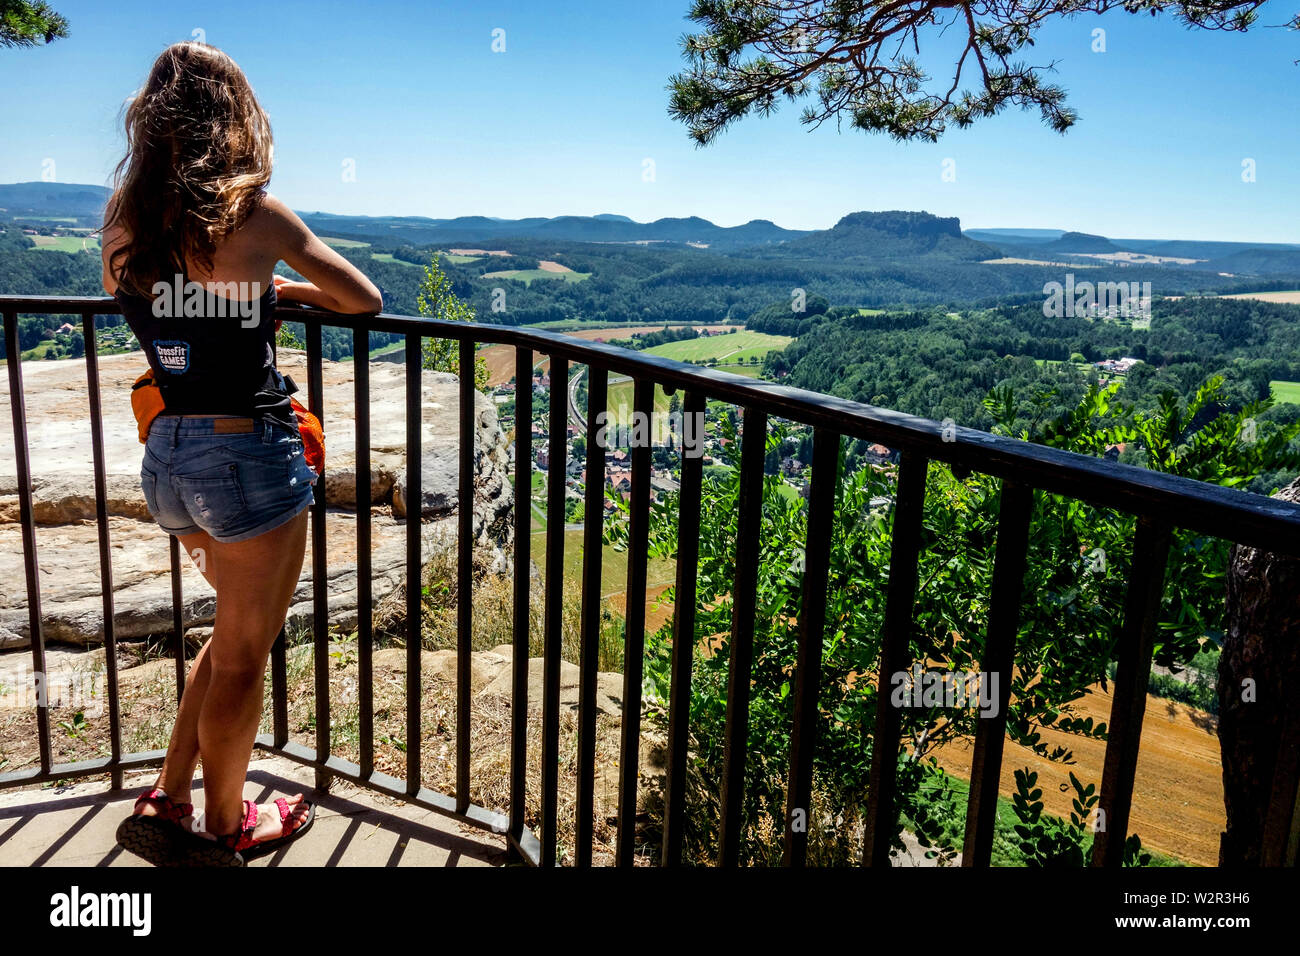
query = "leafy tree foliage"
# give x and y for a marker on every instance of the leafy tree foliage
(1069, 623)
(860, 60)
(438, 300)
(939, 365)
(25, 23)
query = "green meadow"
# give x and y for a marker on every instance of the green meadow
(388, 257)
(528, 276)
(735, 346)
(1286, 392)
(67, 243)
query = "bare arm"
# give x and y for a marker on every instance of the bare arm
(332, 282)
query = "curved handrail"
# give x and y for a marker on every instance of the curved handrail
(1255, 520)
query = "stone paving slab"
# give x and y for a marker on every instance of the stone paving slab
(75, 825)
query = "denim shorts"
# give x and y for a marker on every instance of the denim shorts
(213, 474)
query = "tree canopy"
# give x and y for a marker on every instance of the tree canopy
(29, 22)
(861, 60)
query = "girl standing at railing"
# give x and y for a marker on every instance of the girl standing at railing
(189, 244)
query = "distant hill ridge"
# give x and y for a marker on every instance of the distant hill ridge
(880, 236)
(86, 203)
(52, 200)
(893, 234)
(606, 227)
(1081, 242)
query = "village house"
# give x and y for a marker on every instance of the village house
(878, 454)
(1118, 366)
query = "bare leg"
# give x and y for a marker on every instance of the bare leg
(182, 758)
(257, 579)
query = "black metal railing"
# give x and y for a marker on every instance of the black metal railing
(1159, 502)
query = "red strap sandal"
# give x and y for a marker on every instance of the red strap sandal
(153, 837)
(242, 843)
(168, 809)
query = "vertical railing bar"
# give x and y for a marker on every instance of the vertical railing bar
(895, 656)
(553, 610)
(1014, 512)
(679, 694)
(414, 571)
(634, 629)
(18, 412)
(1132, 675)
(812, 624)
(465, 572)
(589, 655)
(178, 615)
(741, 651)
(320, 623)
(365, 610)
(522, 588)
(105, 550)
(279, 674)
(280, 688)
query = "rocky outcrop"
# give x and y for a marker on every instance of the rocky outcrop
(64, 499)
(491, 673)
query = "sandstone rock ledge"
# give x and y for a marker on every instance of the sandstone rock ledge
(64, 501)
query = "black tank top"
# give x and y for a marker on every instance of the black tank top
(211, 355)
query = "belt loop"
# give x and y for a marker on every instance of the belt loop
(267, 435)
(175, 427)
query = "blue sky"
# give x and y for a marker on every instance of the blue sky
(437, 124)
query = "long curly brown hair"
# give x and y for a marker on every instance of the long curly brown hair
(197, 164)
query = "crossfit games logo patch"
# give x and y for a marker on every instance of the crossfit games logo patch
(173, 356)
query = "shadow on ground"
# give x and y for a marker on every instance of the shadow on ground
(75, 825)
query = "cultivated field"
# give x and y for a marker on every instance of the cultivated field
(1014, 261)
(1286, 298)
(1283, 298)
(501, 358)
(730, 349)
(1138, 257)
(1178, 794)
(67, 243)
(529, 275)
(622, 398)
(736, 347)
(1285, 392)
(388, 257)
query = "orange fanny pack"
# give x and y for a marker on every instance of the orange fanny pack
(313, 436)
(147, 404)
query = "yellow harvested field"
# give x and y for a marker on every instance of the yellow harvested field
(1282, 298)
(1138, 257)
(1177, 797)
(546, 265)
(1286, 298)
(501, 358)
(1013, 261)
